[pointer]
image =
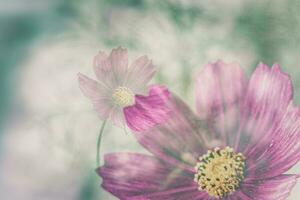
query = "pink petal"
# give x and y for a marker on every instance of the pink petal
(112, 69)
(264, 120)
(220, 89)
(117, 117)
(103, 70)
(141, 72)
(281, 152)
(119, 63)
(148, 111)
(179, 140)
(268, 96)
(277, 188)
(98, 94)
(136, 176)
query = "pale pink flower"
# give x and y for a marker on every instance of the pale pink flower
(117, 95)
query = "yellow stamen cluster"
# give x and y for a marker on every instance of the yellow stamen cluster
(219, 172)
(123, 96)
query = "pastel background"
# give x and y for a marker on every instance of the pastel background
(48, 129)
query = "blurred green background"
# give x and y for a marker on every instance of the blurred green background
(49, 130)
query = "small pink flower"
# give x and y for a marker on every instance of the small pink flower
(117, 95)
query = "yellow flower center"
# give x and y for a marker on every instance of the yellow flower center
(219, 172)
(123, 96)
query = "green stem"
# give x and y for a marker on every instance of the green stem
(99, 143)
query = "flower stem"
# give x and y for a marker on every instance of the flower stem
(99, 143)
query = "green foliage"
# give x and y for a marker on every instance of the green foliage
(268, 29)
(126, 3)
(89, 189)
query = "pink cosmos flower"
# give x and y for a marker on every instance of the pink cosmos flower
(117, 95)
(243, 139)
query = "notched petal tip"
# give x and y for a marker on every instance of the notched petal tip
(277, 69)
(100, 56)
(261, 67)
(120, 48)
(276, 66)
(119, 51)
(145, 57)
(101, 62)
